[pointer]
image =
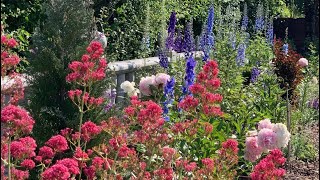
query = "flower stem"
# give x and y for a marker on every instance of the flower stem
(81, 116)
(9, 159)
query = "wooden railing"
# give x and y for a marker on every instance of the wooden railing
(125, 70)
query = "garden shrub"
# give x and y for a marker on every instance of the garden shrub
(61, 39)
(287, 69)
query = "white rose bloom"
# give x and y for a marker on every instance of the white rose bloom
(127, 86)
(283, 135)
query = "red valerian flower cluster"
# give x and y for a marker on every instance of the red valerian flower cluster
(11, 82)
(203, 92)
(91, 68)
(16, 121)
(8, 59)
(268, 168)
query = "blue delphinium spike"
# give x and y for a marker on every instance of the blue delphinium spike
(285, 48)
(269, 33)
(171, 31)
(178, 42)
(259, 23)
(245, 19)
(188, 42)
(164, 62)
(255, 72)
(169, 97)
(241, 54)
(190, 74)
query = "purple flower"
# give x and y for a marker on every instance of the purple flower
(164, 62)
(178, 42)
(169, 97)
(188, 42)
(269, 33)
(111, 95)
(245, 18)
(207, 37)
(255, 72)
(190, 74)
(232, 40)
(241, 55)
(259, 23)
(171, 31)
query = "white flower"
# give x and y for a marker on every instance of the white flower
(314, 80)
(129, 88)
(282, 133)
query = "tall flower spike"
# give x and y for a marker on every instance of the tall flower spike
(245, 18)
(241, 54)
(178, 42)
(188, 43)
(208, 36)
(285, 48)
(190, 74)
(269, 33)
(255, 72)
(164, 62)
(169, 97)
(171, 31)
(259, 23)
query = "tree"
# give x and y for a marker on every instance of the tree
(61, 38)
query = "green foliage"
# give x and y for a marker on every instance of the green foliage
(258, 51)
(60, 39)
(302, 148)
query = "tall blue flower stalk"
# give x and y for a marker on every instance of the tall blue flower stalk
(171, 31)
(169, 97)
(232, 40)
(285, 48)
(255, 72)
(269, 33)
(178, 42)
(207, 41)
(164, 62)
(245, 19)
(190, 74)
(259, 23)
(241, 55)
(188, 41)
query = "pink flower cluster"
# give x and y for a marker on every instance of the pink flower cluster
(16, 121)
(268, 168)
(203, 92)
(91, 68)
(8, 59)
(11, 85)
(269, 137)
(158, 81)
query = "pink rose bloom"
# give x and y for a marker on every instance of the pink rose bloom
(252, 150)
(303, 62)
(145, 84)
(266, 123)
(267, 139)
(161, 79)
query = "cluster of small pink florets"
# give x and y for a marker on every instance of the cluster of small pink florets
(268, 137)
